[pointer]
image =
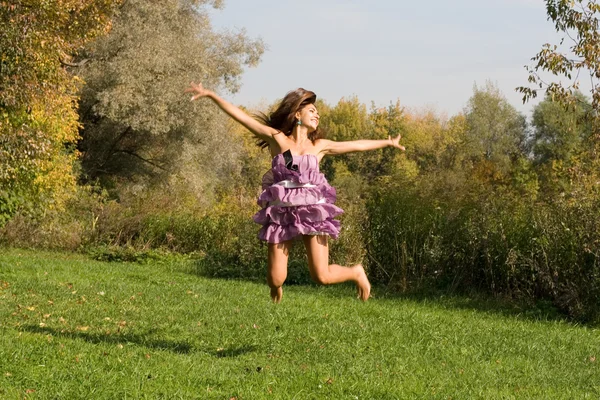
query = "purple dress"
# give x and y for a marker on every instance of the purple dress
(296, 200)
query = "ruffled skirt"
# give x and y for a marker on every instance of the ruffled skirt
(291, 209)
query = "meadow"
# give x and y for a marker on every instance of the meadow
(72, 327)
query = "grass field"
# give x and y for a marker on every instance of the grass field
(72, 328)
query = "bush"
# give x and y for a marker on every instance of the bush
(68, 228)
(496, 241)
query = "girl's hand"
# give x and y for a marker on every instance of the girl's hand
(197, 91)
(395, 142)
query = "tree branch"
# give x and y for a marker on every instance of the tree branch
(131, 153)
(76, 65)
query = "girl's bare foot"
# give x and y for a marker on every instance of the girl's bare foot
(276, 294)
(362, 283)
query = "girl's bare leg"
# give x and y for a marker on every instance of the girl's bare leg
(317, 250)
(277, 268)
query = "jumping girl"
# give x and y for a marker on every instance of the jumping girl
(297, 201)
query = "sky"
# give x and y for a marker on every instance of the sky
(426, 54)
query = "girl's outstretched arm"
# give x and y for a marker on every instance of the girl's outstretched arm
(332, 147)
(262, 131)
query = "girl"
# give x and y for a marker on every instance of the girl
(297, 201)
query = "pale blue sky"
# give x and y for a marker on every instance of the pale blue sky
(424, 53)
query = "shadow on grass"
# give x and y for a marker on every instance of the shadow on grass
(173, 346)
(223, 267)
(534, 310)
(178, 347)
(539, 310)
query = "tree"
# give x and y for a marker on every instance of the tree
(559, 132)
(38, 120)
(496, 132)
(578, 21)
(351, 120)
(138, 124)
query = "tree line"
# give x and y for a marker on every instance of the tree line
(100, 150)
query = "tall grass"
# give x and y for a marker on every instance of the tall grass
(498, 242)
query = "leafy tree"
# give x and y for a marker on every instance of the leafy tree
(347, 120)
(578, 21)
(386, 121)
(138, 125)
(559, 132)
(496, 132)
(38, 120)
(351, 120)
(429, 137)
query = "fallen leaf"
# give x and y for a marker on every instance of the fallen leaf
(30, 308)
(329, 381)
(30, 391)
(46, 316)
(592, 358)
(147, 356)
(83, 328)
(42, 325)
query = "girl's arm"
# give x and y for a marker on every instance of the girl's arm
(264, 132)
(332, 148)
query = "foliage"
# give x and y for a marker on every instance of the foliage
(38, 120)
(478, 202)
(139, 127)
(496, 133)
(351, 120)
(71, 228)
(560, 133)
(578, 21)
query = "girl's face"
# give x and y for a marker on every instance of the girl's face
(309, 116)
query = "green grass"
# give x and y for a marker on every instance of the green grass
(73, 328)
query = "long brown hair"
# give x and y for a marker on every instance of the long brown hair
(284, 117)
